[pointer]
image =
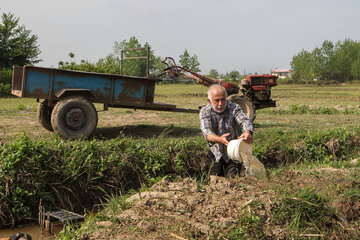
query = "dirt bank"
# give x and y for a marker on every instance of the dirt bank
(218, 209)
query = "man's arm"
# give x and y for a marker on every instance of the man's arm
(246, 125)
(206, 129)
(218, 139)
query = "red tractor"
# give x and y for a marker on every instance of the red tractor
(256, 94)
(255, 89)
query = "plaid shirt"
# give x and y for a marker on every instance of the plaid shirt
(232, 120)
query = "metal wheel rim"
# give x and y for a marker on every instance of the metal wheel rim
(75, 118)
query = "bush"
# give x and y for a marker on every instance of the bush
(5, 89)
(5, 76)
(5, 82)
(285, 81)
(279, 147)
(78, 174)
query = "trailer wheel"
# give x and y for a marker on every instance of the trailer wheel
(43, 114)
(74, 117)
(247, 106)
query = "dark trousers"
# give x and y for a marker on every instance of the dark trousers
(221, 168)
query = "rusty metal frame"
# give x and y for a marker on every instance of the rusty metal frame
(176, 70)
(147, 57)
(47, 219)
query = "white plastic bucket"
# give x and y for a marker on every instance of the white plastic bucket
(236, 146)
(240, 151)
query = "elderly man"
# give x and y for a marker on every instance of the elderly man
(220, 122)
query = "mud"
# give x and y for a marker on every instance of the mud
(189, 209)
(32, 229)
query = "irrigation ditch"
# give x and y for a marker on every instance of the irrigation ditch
(78, 175)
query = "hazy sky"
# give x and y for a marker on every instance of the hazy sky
(226, 35)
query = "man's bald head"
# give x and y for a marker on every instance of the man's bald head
(215, 89)
(217, 98)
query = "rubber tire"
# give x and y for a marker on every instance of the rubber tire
(245, 103)
(74, 117)
(43, 114)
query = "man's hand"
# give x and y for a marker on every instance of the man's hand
(218, 139)
(247, 136)
(223, 139)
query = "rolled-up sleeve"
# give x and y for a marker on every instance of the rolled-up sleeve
(243, 120)
(205, 122)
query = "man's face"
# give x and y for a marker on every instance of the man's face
(218, 100)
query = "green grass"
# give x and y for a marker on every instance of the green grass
(304, 211)
(353, 190)
(78, 174)
(134, 149)
(249, 224)
(308, 107)
(59, 171)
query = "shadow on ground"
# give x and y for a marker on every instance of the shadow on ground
(153, 131)
(269, 125)
(146, 131)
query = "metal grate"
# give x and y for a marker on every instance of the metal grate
(66, 216)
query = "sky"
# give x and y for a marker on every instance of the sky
(244, 35)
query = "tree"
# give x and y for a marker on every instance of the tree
(71, 55)
(185, 59)
(329, 62)
(136, 67)
(111, 63)
(191, 62)
(319, 62)
(328, 51)
(233, 75)
(355, 69)
(346, 53)
(302, 65)
(17, 45)
(213, 73)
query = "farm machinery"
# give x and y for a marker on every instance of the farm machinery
(69, 96)
(255, 89)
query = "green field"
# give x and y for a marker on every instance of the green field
(307, 107)
(308, 144)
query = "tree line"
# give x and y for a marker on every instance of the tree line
(134, 67)
(338, 61)
(18, 46)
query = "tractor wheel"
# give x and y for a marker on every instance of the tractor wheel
(245, 103)
(43, 114)
(74, 117)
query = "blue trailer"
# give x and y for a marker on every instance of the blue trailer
(68, 96)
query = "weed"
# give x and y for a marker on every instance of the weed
(204, 180)
(58, 169)
(303, 211)
(116, 204)
(71, 231)
(304, 109)
(83, 172)
(353, 190)
(201, 180)
(20, 107)
(249, 226)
